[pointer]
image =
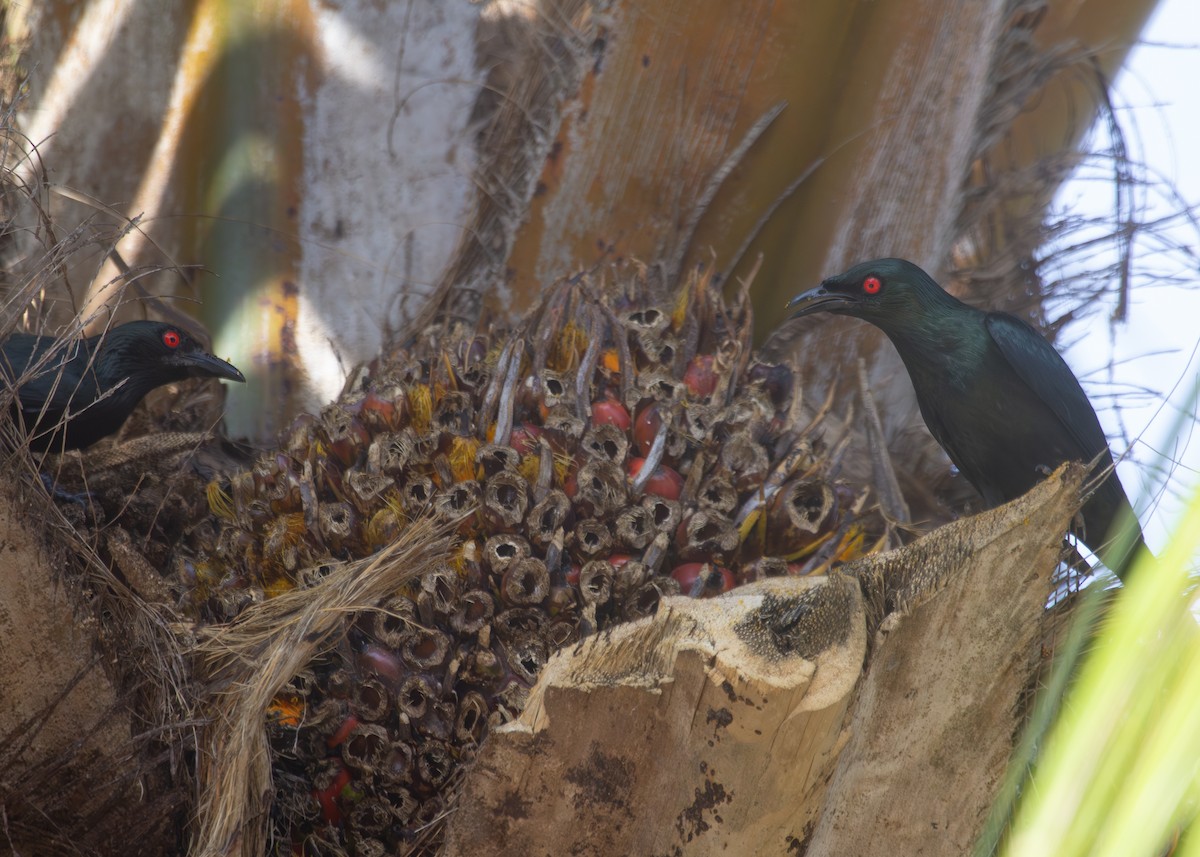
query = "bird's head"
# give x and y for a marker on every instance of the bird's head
(161, 350)
(889, 293)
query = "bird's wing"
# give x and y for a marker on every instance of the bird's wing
(26, 353)
(1044, 371)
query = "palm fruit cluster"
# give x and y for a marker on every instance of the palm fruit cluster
(608, 451)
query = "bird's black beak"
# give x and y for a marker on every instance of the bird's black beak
(819, 299)
(204, 365)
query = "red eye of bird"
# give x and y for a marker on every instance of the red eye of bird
(872, 285)
(171, 339)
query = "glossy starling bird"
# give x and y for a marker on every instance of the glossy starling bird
(73, 395)
(998, 398)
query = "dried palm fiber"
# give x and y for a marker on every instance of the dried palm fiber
(615, 446)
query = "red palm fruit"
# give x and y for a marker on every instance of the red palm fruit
(777, 380)
(645, 427)
(381, 661)
(342, 733)
(609, 411)
(665, 482)
(524, 438)
(380, 414)
(700, 378)
(347, 440)
(327, 796)
(716, 578)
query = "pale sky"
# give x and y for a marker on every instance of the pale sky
(1157, 98)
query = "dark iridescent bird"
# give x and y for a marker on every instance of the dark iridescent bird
(61, 404)
(998, 398)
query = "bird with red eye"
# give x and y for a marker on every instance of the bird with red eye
(996, 396)
(71, 393)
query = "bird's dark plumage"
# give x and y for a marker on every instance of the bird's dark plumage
(997, 397)
(61, 401)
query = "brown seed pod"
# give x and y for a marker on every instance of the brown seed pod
(526, 581)
(370, 817)
(417, 494)
(475, 609)
(414, 696)
(470, 722)
(562, 633)
(345, 437)
(438, 721)
(762, 568)
(452, 414)
(747, 414)
(745, 461)
(366, 750)
(517, 622)
(665, 514)
(438, 595)
(660, 348)
(556, 390)
(602, 485)
(493, 459)
(526, 656)
(634, 527)
(339, 684)
(644, 601)
(591, 537)
(325, 717)
(458, 501)
(337, 523)
(371, 700)
(502, 550)
(648, 320)
(390, 453)
(547, 517)
(605, 442)
(435, 763)
(718, 494)
(596, 582)
(704, 535)
(299, 437)
(803, 511)
(662, 387)
(566, 425)
(505, 500)
(391, 623)
(366, 490)
(628, 577)
(698, 422)
(425, 648)
(398, 767)
(403, 803)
